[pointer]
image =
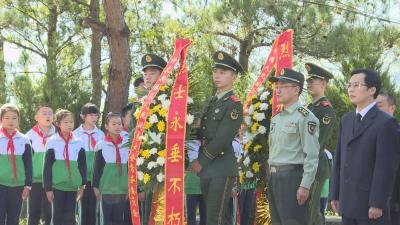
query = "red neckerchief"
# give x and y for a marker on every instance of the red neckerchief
(117, 153)
(40, 133)
(125, 129)
(66, 152)
(11, 149)
(91, 138)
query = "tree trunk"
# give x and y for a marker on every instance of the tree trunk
(95, 55)
(52, 87)
(244, 55)
(120, 64)
(3, 92)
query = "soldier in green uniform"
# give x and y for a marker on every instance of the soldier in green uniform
(152, 67)
(220, 123)
(317, 81)
(293, 153)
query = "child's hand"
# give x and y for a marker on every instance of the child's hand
(141, 196)
(97, 194)
(50, 196)
(79, 194)
(25, 193)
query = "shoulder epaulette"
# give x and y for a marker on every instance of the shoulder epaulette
(234, 98)
(325, 103)
(303, 111)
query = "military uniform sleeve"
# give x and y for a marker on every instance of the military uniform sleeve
(82, 165)
(48, 170)
(309, 130)
(226, 132)
(327, 121)
(99, 163)
(27, 158)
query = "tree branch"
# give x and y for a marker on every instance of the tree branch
(95, 25)
(25, 47)
(261, 44)
(32, 17)
(81, 3)
(226, 34)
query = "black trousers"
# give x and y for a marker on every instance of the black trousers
(192, 202)
(282, 196)
(350, 221)
(127, 214)
(64, 206)
(10, 205)
(113, 207)
(88, 206)
(247, 205)
(38, 205)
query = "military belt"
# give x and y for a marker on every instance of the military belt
(285, 168)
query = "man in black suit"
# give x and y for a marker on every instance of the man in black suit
(387, 103)
(367, 156)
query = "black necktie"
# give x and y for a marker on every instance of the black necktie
(357, 122)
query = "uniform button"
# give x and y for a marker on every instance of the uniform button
(222, 153)
(204, 128)
(205, 117)
(214, 117)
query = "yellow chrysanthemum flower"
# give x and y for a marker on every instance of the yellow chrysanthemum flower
(137, 112)
(161, 153)
(256, 167)
(145, 154)
(257, 148)
(257, 105)
(156, 108)
(147, 125)
(241, 177)
(254, 127)
(163, 88)
(247, 146)
(146, 178)
(161, 126)
(163, 112)
(271, 101)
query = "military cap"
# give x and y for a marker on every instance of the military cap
(289, 75)
(315, 71)
(151, 60)
(225, 61)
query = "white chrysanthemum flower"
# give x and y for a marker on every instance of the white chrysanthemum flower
(259, 116)
(140, 161)
(166, 103)
(247, 120)
(263, 106)
(155, 138)
(170, 82)
(246, 161)
(160, 177)
(251, 110)
(262, 130)
(162, 97)
(161, 161)
(151, 165)
(189, 119)
(247, 136)
(249, 174)
(153, 119)
(190, 100)
(140, 175)
(264, 96)
(153, 151)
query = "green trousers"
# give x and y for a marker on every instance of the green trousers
(315, 203)
(216, 192)
(282, 196)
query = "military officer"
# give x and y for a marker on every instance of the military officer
(220, 123)
(317, 81)
(293, 153)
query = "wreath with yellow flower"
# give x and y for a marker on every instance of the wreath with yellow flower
(257, 119)
(151, 159)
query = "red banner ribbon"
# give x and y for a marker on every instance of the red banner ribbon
(180, 45)
(175, 148)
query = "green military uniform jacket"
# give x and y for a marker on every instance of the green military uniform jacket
(293, 139)
(323, 110)
(220, 124)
